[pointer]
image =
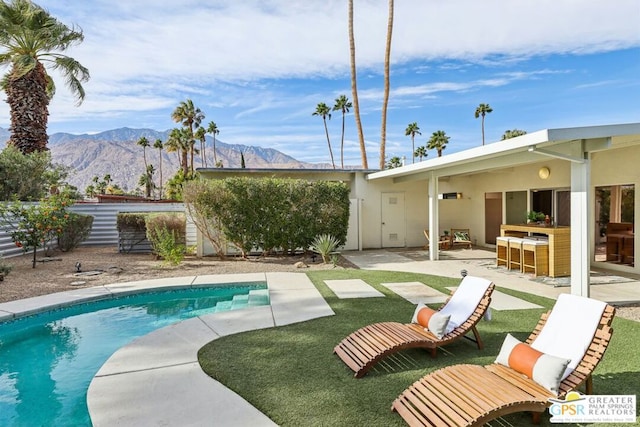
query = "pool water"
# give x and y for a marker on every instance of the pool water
(48, 360)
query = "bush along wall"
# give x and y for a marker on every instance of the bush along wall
(75, 231)
(142, 231)
(272, 214)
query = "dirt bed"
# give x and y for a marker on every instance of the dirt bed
(105, 265)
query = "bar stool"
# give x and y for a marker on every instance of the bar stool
(535, 257)
(502, 251)
(515, 253)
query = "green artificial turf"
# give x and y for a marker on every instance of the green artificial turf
(291, 374)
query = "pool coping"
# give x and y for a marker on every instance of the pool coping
(156, 379)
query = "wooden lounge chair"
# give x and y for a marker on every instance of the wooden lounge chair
(442, 244)
(577, 329)
(365, 347)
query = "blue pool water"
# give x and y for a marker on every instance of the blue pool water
(48, 360)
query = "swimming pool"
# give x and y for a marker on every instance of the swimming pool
(48, 360)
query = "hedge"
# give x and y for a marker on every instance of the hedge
(271, 214)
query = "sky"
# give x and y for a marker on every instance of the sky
(258, 69)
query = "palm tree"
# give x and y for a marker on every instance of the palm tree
(342, 104)
(201, 136)
(412, 130)
(354, 88)
(438, 141)
(513, 133)
(30, 38)
(420, 152)
(394, 162)
(146, 181)
(159, 145)
(213, 130)
(385, 101)
(190, 117)
(324, 111)
(483, 110)
(144, 143)
(179, 142)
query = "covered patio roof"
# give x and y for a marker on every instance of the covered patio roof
(563, 143)
(573, 145)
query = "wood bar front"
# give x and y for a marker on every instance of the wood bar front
(559, 244)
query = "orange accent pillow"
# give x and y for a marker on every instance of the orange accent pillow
(523, 358)
(545, 369)
(424, 315)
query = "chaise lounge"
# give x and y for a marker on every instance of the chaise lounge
(559, 356)
(429, 329)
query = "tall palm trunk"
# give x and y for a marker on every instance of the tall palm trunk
(160, 169)
(215, 157)
(354, 88)
(29, 105)
(326, 131)
(184, 161)
(385, 101)
(342, 143)
(483, 128)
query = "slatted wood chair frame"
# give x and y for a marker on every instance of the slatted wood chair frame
(453, 242)
(367, 346)
(472, 395)
(441, 243)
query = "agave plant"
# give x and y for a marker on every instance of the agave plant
(325, 245)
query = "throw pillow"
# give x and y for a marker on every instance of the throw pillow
(545, 369)
(461, 236)
(431, 320)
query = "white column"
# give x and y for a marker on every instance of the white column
(580, 208)
(434, 221)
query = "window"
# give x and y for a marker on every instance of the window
(615, 228)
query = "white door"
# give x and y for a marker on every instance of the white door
(393, 220)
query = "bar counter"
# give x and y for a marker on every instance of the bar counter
(559, 244)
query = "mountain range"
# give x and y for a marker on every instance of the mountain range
(116, 152)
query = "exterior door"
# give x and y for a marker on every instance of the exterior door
(492, 216)
(393, 220)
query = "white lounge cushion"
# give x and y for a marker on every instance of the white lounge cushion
(570, 328)
(464, 300)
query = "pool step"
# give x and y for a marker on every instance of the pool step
(255, 297)
(258, 297)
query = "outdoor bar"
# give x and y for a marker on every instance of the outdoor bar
(559, 244)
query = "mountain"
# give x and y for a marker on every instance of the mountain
(115, 152)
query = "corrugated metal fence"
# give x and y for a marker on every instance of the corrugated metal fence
(104, 231)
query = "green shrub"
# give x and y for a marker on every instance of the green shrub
(4, 268)
(167, 234)
(270, 213)
(131, 221)
(75, 231)
(166, 244)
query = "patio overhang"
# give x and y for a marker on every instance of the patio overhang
(574, 145)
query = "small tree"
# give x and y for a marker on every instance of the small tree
(33, 226)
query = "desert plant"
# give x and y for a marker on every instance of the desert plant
(75, 231)
(167, 235)
(131, 221)
(4, 268)
(166, 244)
(325, 245)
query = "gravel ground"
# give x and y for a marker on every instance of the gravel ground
(104, 265)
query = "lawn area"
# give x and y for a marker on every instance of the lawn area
(291, 374)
